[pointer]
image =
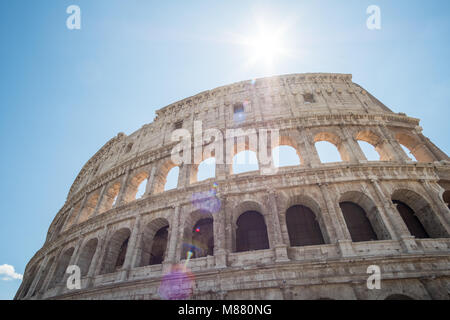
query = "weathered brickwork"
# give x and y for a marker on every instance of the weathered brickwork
(102, 216)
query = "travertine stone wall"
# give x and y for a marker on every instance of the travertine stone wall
(101, 210)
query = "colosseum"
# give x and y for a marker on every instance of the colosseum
(307, 231)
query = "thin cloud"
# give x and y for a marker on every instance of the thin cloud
(8, 273)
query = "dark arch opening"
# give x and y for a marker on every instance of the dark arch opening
(303, 228)
(446, 198)
(61, 267)
(357, 222)
(40, 285)
(116, 252)
(398, 297)
(202, 238)
(251, 233)
(408, 215)
(84, 262)
(159, 246)
(122, 253)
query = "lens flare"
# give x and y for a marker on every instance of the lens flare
(207, 201)
(177, 284)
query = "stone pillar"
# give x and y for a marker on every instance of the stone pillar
(73, 259)
(123, 188)
(83, 204)
(223, 169)
(184, 177)
(220, 252)
(39, 275)
(131, 250)
(308, 150)
(51, 274)
(100, 200)
(35, 281)
(351, 145)
(344, 239)
(398, 153)
(171, 255)
(150, 182)
(437, 153)
(96, 263)
(279, 246)
(442, 211)
(407, 241)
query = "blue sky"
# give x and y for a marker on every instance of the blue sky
(64, 93)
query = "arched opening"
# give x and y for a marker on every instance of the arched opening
(110, 198)
(198, 237)
(408, 153)
(398, 297)
(136, 187)
(330, 148)
(421, 209)
(44, 275)
(372, 146)
(327, 152)
(61, 267)
(369, 151)
(414, 226)
(141, 189)
(89, 206)
(154, 242)
(172, 179)
(357, 222)
(202, 239)
(73, 215)
(285, 156)
(85, 259)
(245, 161)
(446, 198)
(159, 246)
(29, 280)
(116, 251)
(206, 169)
(415, 149)
(251, 232)
(303, 228)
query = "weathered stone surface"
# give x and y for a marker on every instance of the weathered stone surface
(101, 211)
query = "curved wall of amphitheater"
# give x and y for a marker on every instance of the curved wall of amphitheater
(128, 248)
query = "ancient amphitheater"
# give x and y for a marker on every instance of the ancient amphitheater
(308, 231)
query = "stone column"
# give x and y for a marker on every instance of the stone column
(171, 255)
(308, 150)
(407, 241)
(83, 204)
(184, 177)
(398, 153)
(223, 169)
(35, 281)
(73, 259)
(150, 182)
(131, 250)
(279, 246)
(442, 212)
(51, 274)
(96, 263)
(220, 252)
(344, 239)
(100, 200)
(351, 145)
(123, 188)
(39, 275)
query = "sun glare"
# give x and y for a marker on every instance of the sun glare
(265, 46)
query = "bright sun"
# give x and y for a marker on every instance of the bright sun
(266, 46)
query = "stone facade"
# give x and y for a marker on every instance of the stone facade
(101, 214)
